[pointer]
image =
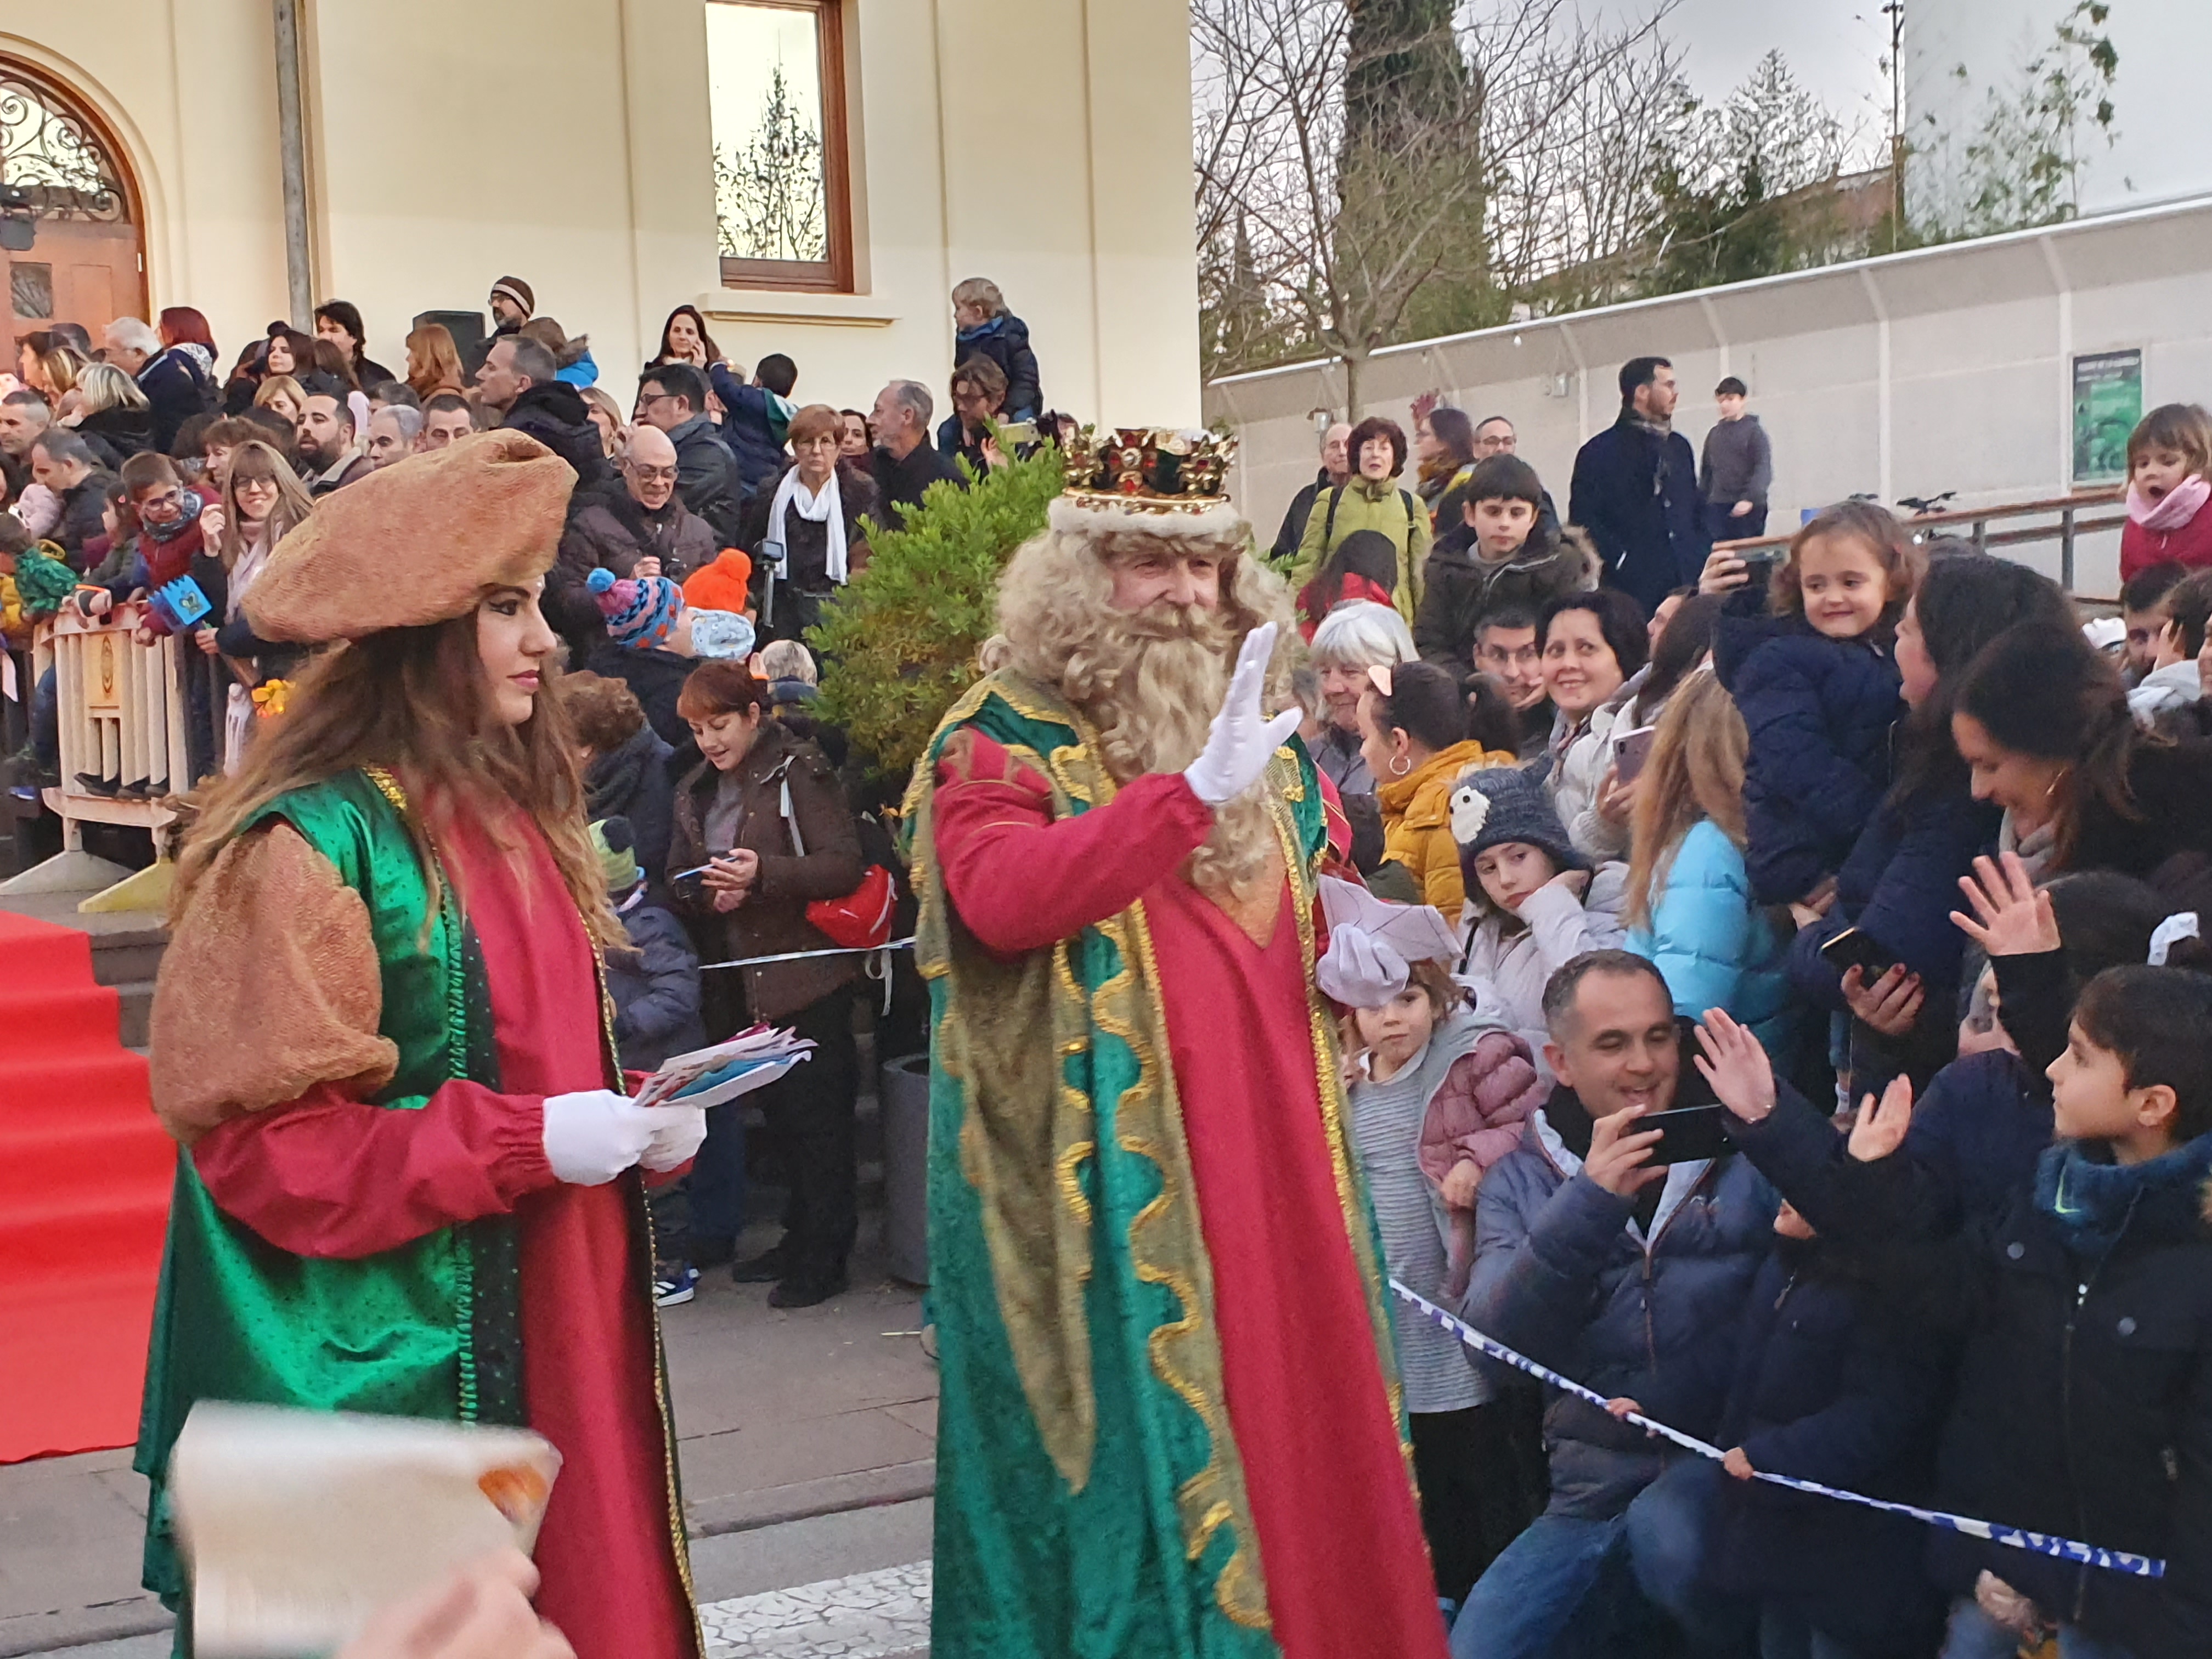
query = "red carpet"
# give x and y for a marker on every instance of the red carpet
(84, 1196)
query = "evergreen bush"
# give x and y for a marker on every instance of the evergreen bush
(898, 642)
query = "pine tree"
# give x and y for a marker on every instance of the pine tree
(899, 642)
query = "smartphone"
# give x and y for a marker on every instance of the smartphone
(1017, 434)
(1758, 568)
(1630, 753)
(1689, 1133)
(1853, 949)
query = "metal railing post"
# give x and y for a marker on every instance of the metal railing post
(2066, 549)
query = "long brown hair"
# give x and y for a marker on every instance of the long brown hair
(294, 504)
(1695, 771)
(434, 365)
(414, 700)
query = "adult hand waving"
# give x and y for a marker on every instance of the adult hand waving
(1735, 1064)
(1243, 738)
(2012, 916)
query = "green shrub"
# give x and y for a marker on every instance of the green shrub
(899, 642)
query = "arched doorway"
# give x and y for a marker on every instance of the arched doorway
(86, 264)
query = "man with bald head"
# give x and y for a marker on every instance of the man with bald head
(642, 530)
(1335, 469)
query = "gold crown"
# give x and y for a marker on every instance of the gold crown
(1147, 470)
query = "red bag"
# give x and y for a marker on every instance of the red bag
(861, 920)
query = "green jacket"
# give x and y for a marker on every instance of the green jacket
(431, 1329)
(1361, 505)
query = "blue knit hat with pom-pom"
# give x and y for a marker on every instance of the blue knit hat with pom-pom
(641, 612)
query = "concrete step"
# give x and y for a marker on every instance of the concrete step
(135, 1009)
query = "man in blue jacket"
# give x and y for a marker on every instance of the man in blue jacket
(1635, 490)
(1630, 1277)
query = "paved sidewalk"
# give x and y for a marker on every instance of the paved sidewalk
(779, 1415)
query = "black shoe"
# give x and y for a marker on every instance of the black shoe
(106, 789)
(704, 1253)
(805, 1290)
(142, 790)
(766, 1268)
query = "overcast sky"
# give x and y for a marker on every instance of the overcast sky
(1833, 46)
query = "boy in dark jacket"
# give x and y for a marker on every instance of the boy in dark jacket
(985, 328)
(2084, 1404)
(1498, 554)
(756, 417)
(1827, 1389)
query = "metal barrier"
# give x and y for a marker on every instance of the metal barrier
(2060, 519)
(123, 748)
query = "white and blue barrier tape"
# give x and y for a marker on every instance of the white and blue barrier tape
(2064, 1549)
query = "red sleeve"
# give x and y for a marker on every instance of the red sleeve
(335, 1177)
(1021, 881)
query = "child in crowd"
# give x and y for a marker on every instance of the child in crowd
(655, 988)
(2169, 455)
(1418, 735)
(2083, 1407)
(755, 418)
(1827, 1388)
(1690, 907)
(788, 667)
(1532, 901)
(655, 639)
(1439, 1091)
(985, 328)
(1492, 550)
(1819, 696)
(1364, 568)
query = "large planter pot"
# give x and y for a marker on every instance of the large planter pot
(905, 1097)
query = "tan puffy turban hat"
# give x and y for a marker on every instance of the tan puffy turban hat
(415, 543)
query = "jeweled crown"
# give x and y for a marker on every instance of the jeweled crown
(1147, 470)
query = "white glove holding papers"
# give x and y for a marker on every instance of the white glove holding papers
(1370, 941)
(593, 1136)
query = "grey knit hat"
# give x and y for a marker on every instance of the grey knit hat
(1493, 805)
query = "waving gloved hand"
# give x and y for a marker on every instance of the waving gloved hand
(593, 1136)
(678, 1132)
(1243, 738)
(1359, 970)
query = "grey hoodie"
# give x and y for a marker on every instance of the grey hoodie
(1739, 463)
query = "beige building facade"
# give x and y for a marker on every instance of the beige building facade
(445, 143)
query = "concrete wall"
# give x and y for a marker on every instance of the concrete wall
(1947, 368)
(1045, 144)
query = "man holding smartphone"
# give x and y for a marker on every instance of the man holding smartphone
(1596, 1256)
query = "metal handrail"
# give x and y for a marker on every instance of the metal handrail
(2071, 525)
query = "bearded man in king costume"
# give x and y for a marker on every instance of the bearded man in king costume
(1169, 1423)
(407, 1180)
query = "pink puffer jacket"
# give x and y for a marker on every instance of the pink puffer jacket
(1479, 1113)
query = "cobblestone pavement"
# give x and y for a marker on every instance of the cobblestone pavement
(869, 1615)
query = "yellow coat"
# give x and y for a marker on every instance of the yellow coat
(1416, 822)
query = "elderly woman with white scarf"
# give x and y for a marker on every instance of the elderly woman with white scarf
(803, 529)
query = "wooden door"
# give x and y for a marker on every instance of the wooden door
(86, 261)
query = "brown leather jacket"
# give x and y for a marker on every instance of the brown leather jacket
(772, 918)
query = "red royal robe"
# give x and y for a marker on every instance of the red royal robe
(330, 1177)
(1341, 1544)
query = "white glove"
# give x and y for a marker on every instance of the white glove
(678, 1132)
(1359, 970)
(593, 1136)
(1241, 740)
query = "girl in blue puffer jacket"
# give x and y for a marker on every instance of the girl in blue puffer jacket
(1690, 907)
(1819, 695)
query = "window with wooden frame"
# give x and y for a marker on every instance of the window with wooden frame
(776, 76)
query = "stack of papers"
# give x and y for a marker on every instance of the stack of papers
(1418, 932)
(300, 1525)
(707, 1077)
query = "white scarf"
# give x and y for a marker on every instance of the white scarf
(826, 507)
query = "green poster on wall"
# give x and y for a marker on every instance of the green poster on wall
(2108, 404)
